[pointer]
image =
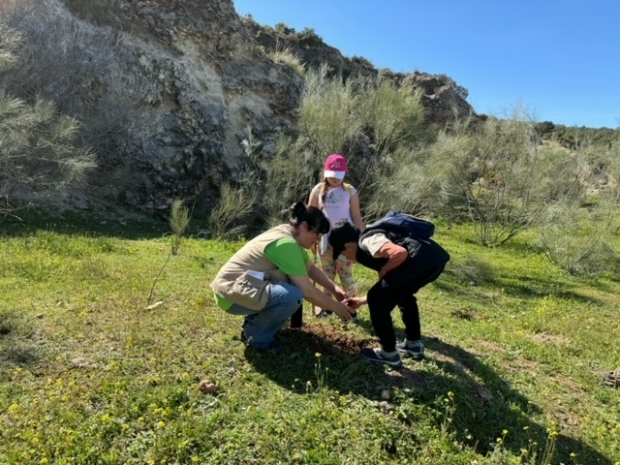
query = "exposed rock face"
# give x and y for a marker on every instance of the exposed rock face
(188, 81)
(442, 100)
(210, 87)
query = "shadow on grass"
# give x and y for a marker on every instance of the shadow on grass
(16, 348)
(86, 224)
(528, 288)
(484, 403)
(519, 288)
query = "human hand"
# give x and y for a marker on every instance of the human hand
(354, 302)
(340, 293)
(344, 312)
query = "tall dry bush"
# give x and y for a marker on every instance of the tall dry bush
(79, 67)
(40, 150)
(285, 56)
(327, 119)
(227, 219)
(394, 173)
(403, 182)
(371, 122)
(499, 176)
(580, 241)
(580, 237)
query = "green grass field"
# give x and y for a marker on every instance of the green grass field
(516, 355)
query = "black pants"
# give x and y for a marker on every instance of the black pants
(297, 320)
(383, 297)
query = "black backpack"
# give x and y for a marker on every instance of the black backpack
(402, 225)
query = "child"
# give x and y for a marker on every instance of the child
(403, 267)
(340, 203)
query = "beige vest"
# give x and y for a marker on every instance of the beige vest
(250, 257)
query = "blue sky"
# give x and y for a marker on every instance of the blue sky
(560, 59)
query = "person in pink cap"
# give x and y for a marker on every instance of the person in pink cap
(340, 203)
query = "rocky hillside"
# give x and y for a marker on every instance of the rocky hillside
(167, 90)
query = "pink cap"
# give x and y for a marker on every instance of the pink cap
(335, 166)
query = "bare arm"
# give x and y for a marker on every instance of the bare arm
(313, 201)
(356, 214)
(315, 296)
(395, 254)
(319, 277)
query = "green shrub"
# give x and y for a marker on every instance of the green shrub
(327, 117)
(472, 270)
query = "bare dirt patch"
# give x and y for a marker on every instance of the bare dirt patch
(546, 338)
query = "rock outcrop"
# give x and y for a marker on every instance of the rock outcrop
(173, 88)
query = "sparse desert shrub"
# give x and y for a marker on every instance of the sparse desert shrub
(394, 119)
(499, 177)
(235, 205)
(310, 35)
(395, 173)
(284, 56)
(179, 222)
(403, 182)
(79, 67)
(579, 241)
(579, 236)
(326, 113)
(39, 147)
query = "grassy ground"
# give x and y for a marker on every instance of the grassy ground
(516, 354)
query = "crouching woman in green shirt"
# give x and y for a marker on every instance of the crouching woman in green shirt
(269, 276)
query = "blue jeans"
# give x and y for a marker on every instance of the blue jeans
(262, 325)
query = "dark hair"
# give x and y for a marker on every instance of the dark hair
(325, 186)
(342, 235)
(313, 216)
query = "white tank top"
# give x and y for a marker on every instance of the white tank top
(337, 205)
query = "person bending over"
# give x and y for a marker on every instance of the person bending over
(404, 266)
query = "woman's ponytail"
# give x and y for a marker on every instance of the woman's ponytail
(313, 216)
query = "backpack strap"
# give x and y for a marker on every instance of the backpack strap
(349, 189)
